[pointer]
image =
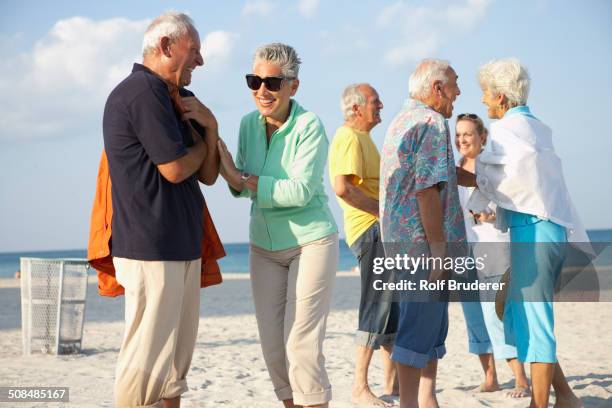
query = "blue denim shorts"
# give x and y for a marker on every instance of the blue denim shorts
(378, 315)
(421, 334)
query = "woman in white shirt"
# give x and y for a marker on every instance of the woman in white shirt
(523, 176)
(485, 330)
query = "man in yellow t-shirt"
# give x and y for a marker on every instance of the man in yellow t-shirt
(354, 164)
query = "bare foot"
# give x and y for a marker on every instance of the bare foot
(519, 392)
(363, 397)
(486, 387)
(567, 401)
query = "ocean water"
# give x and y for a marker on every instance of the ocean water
(237, 259)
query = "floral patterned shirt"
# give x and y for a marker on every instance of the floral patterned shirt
(417, 154)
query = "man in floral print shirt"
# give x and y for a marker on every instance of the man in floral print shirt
(420, 209)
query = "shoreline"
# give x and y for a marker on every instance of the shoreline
(8, 283)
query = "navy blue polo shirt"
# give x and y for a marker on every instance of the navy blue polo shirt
(153, 219)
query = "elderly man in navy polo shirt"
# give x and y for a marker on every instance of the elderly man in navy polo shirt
(160, 140)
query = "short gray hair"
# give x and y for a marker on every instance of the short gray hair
(427, 72)
(350, 97)
(170, 24)
(282, 55)
(506, 76)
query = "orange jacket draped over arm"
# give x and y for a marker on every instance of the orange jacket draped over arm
(99, 251)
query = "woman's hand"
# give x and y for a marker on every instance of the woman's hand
(228, 169)
(487, 217)
(483, 217)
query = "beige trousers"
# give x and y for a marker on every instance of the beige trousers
(162, 312)
(292, 291)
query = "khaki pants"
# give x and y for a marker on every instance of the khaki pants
(162, 311)
(292, 291)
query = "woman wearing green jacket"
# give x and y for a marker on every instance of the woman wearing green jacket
(282, 151)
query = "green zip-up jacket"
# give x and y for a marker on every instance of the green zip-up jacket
(290, 206)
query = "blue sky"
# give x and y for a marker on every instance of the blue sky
(61, 61)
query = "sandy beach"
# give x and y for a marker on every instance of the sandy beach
(228, 369)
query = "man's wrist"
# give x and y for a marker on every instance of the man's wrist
(210, 138)
(212, 126)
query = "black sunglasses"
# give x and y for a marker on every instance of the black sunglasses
(467, 115)
(272, 83)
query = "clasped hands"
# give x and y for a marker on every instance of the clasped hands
(228, 168)
(196, 110)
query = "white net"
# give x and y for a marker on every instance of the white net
(53, 293)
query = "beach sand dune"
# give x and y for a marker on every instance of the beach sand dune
(228, 370)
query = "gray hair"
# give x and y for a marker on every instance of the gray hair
(350, 97)
(170, 24)
(506, 76)
(427, 72)
(282, 55)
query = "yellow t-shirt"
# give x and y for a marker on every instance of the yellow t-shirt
(353, 152)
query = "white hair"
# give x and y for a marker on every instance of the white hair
(350, 97)
(282, 55)
(506, 76)
(170, 24)
(426, 73)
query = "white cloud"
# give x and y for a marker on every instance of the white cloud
(258, 7)
(423, 29)
(59, 87)
(217, 48)
(308, 8)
